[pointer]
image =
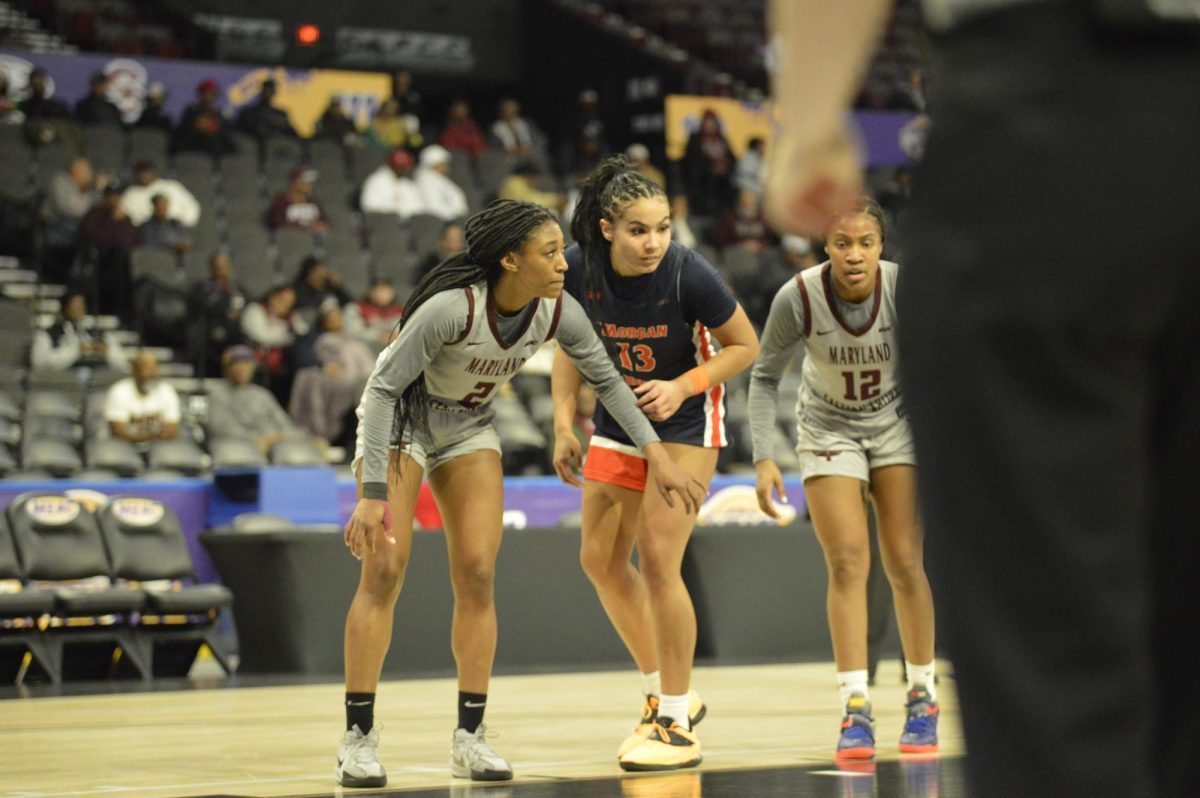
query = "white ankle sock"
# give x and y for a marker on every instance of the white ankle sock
(675, 707)
(851, 682)
(921, 676)
(651, 683)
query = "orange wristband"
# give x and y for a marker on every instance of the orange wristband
(699, 379)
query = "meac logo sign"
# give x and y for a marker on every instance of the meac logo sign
(137, 512)
(53, 510)
(737, 505)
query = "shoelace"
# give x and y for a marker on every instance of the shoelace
(919, 724)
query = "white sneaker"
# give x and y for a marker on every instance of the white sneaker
(358, 760)
(472, 758)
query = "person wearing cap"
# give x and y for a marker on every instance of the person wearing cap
(238, 408)
(639, 155)
(96, 108)
(391, 189)
(203, 125)
(153, 111)
(295, 206)
(137, 201)
(441, 196)
(262, 119)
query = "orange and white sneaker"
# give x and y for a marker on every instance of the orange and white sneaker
(696, 712)
(668, 747)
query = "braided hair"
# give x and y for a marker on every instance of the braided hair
(502, 227)
(605, 194)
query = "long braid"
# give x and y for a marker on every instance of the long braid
(500, 228)
(605, 194)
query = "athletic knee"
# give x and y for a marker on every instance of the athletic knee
(600, 566)
(848, 568)
(384, 576)
(905, 571)
(474, 580)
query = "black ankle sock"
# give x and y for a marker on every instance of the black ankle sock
(470, 710)
(360, 711)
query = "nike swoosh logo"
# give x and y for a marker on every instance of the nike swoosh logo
(533, 343)
(359, 703)
(474, 343)
(824, 332)
(885, 329)
(473, 705)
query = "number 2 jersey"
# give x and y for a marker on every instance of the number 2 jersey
(849, 380)
(467, 350)
(656, 327)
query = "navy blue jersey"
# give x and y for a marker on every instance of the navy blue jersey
(656, 327)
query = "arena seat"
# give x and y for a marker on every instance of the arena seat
(20, 609)
(235, 453)
(296, 452)
(115, 454)
(58, 541)
(56, 457)
(146, 545)
(180, 455)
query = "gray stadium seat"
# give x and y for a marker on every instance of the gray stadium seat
(57, 540)
(181, 456)
(296, 452)
(58, 458)
(426, 233)
(146, 544)
(149, 143)
(235, 453)
(151, 262)
(18, 614)
(114, 454)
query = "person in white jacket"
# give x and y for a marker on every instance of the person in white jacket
(443, 197)
(391, 189)
(138, 202)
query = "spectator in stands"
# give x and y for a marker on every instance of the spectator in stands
(10, 114)
(390, 129)
(295, 206)
(708, 167)
(237, 408)
(154, 112)
(513, 133)
(751, 168)
(68, 343)
(216, 311)
(161, 231)
(744, 226)
(639, 156)
(262, 119)
(334, 123)
(332, 370)
(203, 126)
(95, 108)
(138, 199)
(272, 327)
(106, 237)
(584, 142)
(525, 184)
(681, 226)
(373, 319)
(798, 255)
(315, 284)
(141, 408)
(462, 133)
(451, 242)
(69, 196)
(46, 119)
(440, 195)
(408, 102)
(390, 189)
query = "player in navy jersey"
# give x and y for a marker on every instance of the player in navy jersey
(854, 444)
(467, 328)
(658, 307)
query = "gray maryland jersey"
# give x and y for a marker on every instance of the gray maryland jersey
(467, 351)
(849, 379)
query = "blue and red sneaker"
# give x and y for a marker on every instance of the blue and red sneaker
(857, 740)
(920, 729)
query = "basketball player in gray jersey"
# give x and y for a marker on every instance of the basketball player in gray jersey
(853, 443)
(468, 327)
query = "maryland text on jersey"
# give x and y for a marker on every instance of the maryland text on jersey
(860, 355)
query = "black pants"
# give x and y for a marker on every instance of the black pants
(1051, 352)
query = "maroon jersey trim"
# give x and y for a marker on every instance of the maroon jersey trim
(831, 300)
(470, 318)
(554, 321)
(807, 306)
(491, 317)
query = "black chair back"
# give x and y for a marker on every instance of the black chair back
(56, 538)
(145, 540)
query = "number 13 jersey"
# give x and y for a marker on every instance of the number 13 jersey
(656, 327)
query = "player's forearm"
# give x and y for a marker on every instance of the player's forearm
(564, 392)
(821, 51)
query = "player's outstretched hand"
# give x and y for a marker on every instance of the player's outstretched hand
(568, 455)
(766, 478)
(369, 526)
